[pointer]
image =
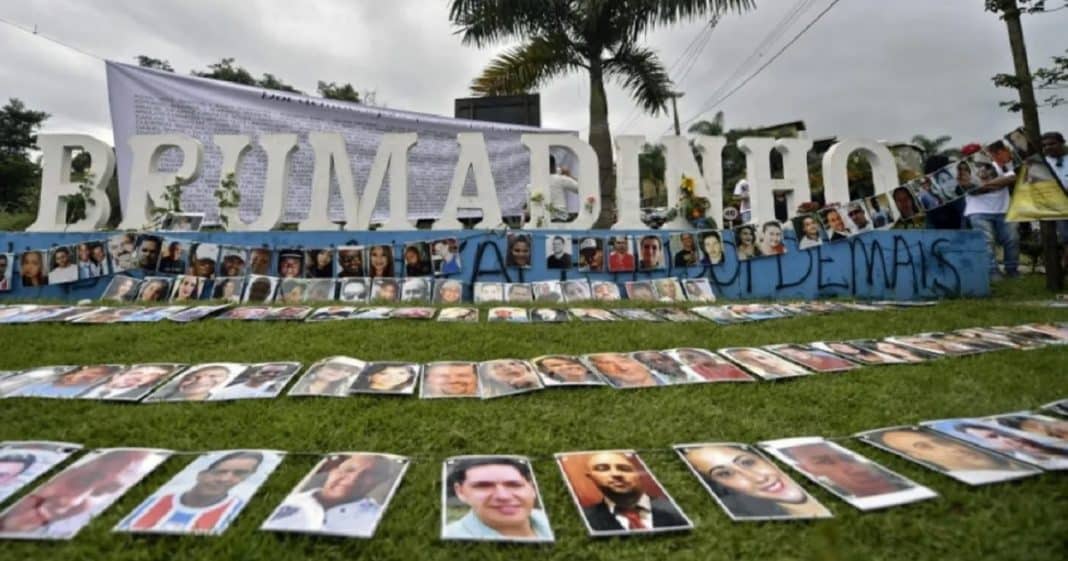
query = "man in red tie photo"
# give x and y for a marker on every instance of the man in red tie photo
(626, 505)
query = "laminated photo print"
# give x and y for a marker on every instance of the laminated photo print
(708, 366)
(61, 266)
(182, 222)
(373, 313)
(350, 260)
(353, 290)
(809, 231)
(246, 313)
(620, 254)
(1044, 453)
(204, 260)
(260, 289)
(1004, 340)
(1059, 407)
(675, 315)
(290, 263)
(640, 291)
(763, 364)
(233, 261)
(148, 252)
(291, 291)
(834, 223)
(558, 250)
(698, 290)
(449, 380)
(106, 315)
(668, 290)
(576, 290)
(650, 253)
(747, 485)
(413, 312)
(1058, 333)
(198, 383)
(926, 192)
(319, 290)
(229, 289)
(518, 292)
(933, 344)
(345, 495)
(711, 247)
(1034, 425)
(622, 371)
(507, 314)
(331, 377)
(152, 315)
(175, 257)
(69, 384)
(197, 313)
(380, 261)
(458, 313)
(396, 378)
(21, 463)
(65, 313)
(912, 356)
(858, 216)
(719, 314)
(91, 258)
(331, 313)
(186, 288)
(259, 381)
(548, 315)
(907, 207)
(417, 262)
(520, 250)
(617, 495)
(812, 358)
(565, 370)
(684, 250)
(1037, 337)
(492, 499)
(950, 457)
(849, 476)
(591, 255)
(507, 376)
(13, 383)
(880, 211)
(489, 292)
(288, 313)
(665, 368)
(66, 503)
(592, 314)
(122, 252)
(637, 314)
(758, 312)
(206, 496)
(133, 383)
(745, 242)
(319, 263)
(259, 261)
(448, 291)
(855, 354)
(945, 182)
(7, 265)
(416, 290)
(770, 238)
(446, 256)
(548, 292)
(121, 289)
(33, 268)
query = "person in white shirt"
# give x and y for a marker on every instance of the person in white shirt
(1057, 155)
(985, 207)
(563, 195)
(741, 192)
(62, 269)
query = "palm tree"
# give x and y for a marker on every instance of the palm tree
(599, 37)
(935, 146)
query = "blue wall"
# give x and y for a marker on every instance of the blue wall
(896, 264)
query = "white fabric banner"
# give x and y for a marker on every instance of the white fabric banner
(146, 101)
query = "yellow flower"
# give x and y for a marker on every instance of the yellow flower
(687, 184)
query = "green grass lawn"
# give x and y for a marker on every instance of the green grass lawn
(1026, 520)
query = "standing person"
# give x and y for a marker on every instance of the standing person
(984, 209)
(563, 189)
(1057, 156)
(741, 192)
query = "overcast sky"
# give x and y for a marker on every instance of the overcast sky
(870, 68)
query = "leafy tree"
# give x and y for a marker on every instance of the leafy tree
(1051, 79)
(935, 146)
(271, 82)
(598, 37)
(20, 176)
(158, 64)
(227, 71)
(344, 92)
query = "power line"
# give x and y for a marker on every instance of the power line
(33, 31)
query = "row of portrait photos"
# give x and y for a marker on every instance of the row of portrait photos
(343, 376)
(496, 497)
(724, 315)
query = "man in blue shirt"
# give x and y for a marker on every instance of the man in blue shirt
(502, 497)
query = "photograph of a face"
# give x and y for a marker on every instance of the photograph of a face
(770, 238)
(21, 463)
(507, 376)
(353, 290)
(507, 314)
(809, 231)
(246, 313)
(416, 290)
(350, 260)
(747, 485)
(851, 477)
(319, 263)
(204, 259)
(260, 381)
(385, 290)
(745, 242)
(458, 313)
(520, 250)
(933, 345)
(812, 358)
(186, 288)
(945, 181)
(331, 313)
(377, 312)
(121, 289)
(763, 363)
(66, 503)
(576, 290)
(719, 314)
(397, 378)
(331, 377)
(637, 314)
(565, 370)
(290, 264)
(206, 496)
(668, 290)
(11, 384)
(492, 498)
(229, 289)
(122, 252)
(858, 216)
(198, 383)
(106, 315)
(288, 313)
(174, 257)
(417, 262)
(182, 222)
(548, 315)
(617, 495)
(319, 290)
(66, 383)
(489, 292)
(148, 252)
(835, 223)
(154, 289)
(548, 292)
(346, 494)
(1036, 425)
(665, 368)
(592, 314)
(698, 290)
(708, 366)
(558, 251)
(622, 371)
(684, 250)
(134, 382)
(33, 268)
(951, 457)
(903, 354)
(880, 211)
(641, 291)
(448, 291)
(260, 260)
(518, 292)
(233, 261)
(620, 254)
(1043, 453)
(591, 255)
(711, 247)
(449, 379)
(650, 253)
(855, 354)
(260, 289)
(446, 257)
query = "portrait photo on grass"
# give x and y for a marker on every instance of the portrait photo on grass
(698, 290)
(604, 291)
(22, 462)
(134, 382)
(396, 378)
(576, 290)
(665, 368)
(548, 315)
(385, 289)
(640, 291)
(762, 363)
(259, 381)
(458, 313)
(68, 383)
(448, 291)
(331, 377)
(811, 358)
(621, 370)
(206, 496)
(346, 495)
(709, 366)
(507, 314)
(260, 289)
(492, 498)
(1046, 454)
(489, 292)
(449, 380)
(354, 290)
(1034, 424)
(186, 288)
(331, 313)
(154, 289)
(518, 292)
(198, 382)
(548, 292)
(121, 289)
(197, 313)
(668, 290)
(592, 314)
(637, 314)
(565, 370)
(507, 376)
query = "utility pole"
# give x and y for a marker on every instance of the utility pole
(675, 109)
(1010, 12)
